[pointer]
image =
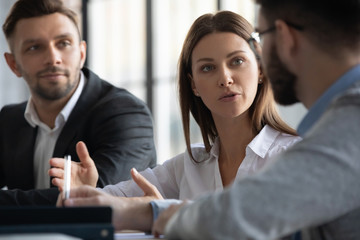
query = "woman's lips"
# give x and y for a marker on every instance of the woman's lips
(229, 97)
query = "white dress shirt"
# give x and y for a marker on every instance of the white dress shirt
(182, 178)
(46, 137)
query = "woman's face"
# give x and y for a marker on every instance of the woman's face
(225, 74)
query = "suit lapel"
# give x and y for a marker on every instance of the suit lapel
(23, 168)
(77, 118)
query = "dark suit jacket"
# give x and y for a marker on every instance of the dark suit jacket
(115, 125)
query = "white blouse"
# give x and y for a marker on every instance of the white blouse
(181, 178)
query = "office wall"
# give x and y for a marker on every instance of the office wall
(12, 88)
(117, 52)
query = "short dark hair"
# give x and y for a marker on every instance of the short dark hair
(326, 22)
(36, 8)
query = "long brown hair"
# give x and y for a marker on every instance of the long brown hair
(263, 110)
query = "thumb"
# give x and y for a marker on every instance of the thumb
(148, 188)
(83, 154)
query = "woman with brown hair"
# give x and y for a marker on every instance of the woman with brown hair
(221, 83)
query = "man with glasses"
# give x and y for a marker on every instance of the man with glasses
(311, 52)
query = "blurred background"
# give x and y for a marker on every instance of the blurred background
(135, 44)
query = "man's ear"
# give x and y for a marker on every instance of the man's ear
(10, 60)
(83, 47)
(286, 40)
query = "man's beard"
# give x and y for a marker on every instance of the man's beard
(282, 80)
(54, 93)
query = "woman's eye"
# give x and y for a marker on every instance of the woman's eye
(238, 61)
(207, 68)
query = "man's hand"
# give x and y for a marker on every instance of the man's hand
(128, 213)
(82, 173)
(160, 223)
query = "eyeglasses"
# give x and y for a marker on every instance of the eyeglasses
(257, 36)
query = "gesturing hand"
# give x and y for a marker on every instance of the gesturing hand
(82, 173)
(148, 189)
(128, 212)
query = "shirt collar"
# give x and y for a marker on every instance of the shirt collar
(74, 98)
(32, 117)
(262, 142)
(215, 148)
(315, 112)
(260, 145)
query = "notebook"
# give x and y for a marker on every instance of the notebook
(87, 223)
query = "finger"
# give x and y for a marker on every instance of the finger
(56, 172)
(86, 196)
(57, 162)
(83, 154)
(143, 183)
(83, 196)
(72, 202)
(59, 201)
(84, 191)
(58, 183)
(148, 188)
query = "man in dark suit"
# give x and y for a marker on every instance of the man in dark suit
(68, 103)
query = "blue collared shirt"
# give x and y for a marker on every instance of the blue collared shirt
(158, 206)
(315, 112)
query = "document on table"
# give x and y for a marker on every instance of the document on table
(134, 235)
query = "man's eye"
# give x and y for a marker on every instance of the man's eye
(33, 48)
(64, 43)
